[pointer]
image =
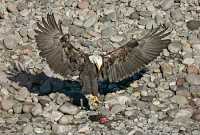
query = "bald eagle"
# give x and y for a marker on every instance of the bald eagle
(65, 59)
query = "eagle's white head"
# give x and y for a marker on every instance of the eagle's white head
(97, 60)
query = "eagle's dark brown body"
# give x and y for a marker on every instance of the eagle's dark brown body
(116, 65)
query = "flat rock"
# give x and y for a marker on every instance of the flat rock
(193, 24)
(76, 30)
(17, 108)
(184, 113)
(62, 98)
(38, 130)
(116, 38)
(90, 21)
(37, 110)
(68, 108)
(167, 4)
(167, 69)
(188, 61)
(59, 129)
(7, 104)
(117, 108)
(12, 7)
(175, 47)
(193, 79)
(43, 100)
(195, 90)
(28, 129)
(10, 42)
(27, 107)
(83, 4)
(180, 100)
(65, 119)
(53, 116)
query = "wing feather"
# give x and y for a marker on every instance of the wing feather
(137, 54)
(48, 41)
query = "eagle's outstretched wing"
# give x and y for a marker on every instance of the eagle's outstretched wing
(123, 62)
(61, 56)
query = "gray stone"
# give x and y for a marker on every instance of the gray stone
(193, 79)
(175, 47)
(7, 104)
(65, 119)
(193, 24)
(22, 94)
(159, 19)
(90, 21)
(116, 38)
(166, 52)
(43, 100)
(167, 4)
(21, 5)
(31, 34)
(28, 130)
(10, 42)
(59, 129)
(117, 108)
(39, 130)
(177, 15)
(83, 4)
(167, 69)
(25, 12)
(145, 13)
(61, 98)
(165, 94)
(188, 61)
(130, 113)
(37, 110)
(151, 85)
(76, 30)
(23, 32)
(134, 15)
(17, 107)
(184, 113)
(181, 100)
(84, 129)
(195, 90)
(12, 7)
(135, 132)
(120, 99)
(27, 107)
(53, 116)
(68, 108)
(195, 132)
(78, 22)
(181, 91)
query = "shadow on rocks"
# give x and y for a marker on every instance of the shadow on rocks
(44, 85)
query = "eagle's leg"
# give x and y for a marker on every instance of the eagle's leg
(89, 83)
(90, 88)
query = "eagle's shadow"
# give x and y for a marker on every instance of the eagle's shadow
(44, 85)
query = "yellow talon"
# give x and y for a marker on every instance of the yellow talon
(94, 102)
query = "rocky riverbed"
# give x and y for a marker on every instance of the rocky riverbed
(161, 99)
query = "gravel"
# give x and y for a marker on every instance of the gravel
(165, 100)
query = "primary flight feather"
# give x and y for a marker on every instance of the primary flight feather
(114, 66)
